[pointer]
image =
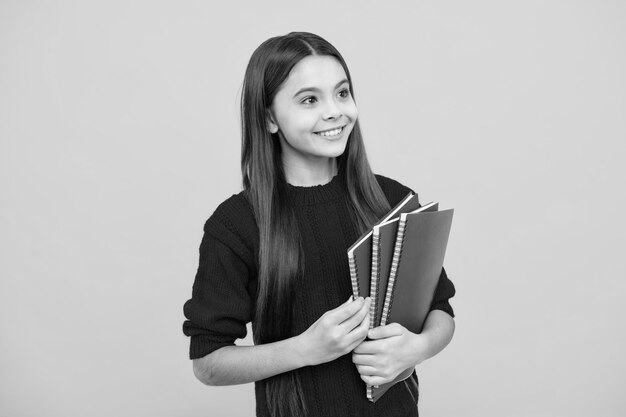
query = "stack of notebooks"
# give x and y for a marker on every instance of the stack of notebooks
(398, 263)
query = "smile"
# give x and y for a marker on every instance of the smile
(330, 133)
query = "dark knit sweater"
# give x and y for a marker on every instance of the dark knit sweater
(225, 286)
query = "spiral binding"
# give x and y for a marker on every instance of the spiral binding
(373, 287)
(353, 275)
(374, 276)
(395, 262)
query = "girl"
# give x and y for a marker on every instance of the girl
(275, 254)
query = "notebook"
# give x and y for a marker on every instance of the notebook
(360, 253)
(383, 243)
(419, 250)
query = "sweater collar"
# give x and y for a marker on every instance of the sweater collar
(316, 194)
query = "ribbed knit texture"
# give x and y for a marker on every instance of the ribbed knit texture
(225, 285)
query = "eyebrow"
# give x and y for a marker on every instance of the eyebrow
(345, 80)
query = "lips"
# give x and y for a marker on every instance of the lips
(329, 133)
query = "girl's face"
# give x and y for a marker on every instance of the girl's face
(313, 112)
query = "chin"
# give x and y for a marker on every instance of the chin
(335, 149)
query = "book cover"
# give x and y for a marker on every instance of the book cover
(383, 244)
(360, 253)
(419, 251)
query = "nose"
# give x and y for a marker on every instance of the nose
(332, 111)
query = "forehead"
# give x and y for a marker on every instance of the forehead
(320, 71)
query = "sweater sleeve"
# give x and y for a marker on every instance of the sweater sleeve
(445, 290)
(221, 304)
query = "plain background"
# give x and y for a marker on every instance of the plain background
(119, 135)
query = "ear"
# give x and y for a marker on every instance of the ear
(272, 127)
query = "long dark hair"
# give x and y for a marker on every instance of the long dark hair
(281, 259)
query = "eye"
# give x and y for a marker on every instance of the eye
(309, 100)
(345, 93)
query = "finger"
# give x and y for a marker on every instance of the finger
(357, 318)
(382, 332)
(359, 333)
(359, 359)
(346, 310)
(367, 370)
(368, 347)
(373, 380)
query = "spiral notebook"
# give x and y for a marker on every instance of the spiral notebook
(383, 243)
(360, 253)
(419, 249)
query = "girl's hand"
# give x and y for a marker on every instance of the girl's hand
(393, 349)
(337, 332)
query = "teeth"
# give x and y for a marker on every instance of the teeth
(331, 132)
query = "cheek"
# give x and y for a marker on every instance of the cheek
(351, 111)
(301, 121)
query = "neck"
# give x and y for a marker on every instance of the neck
(308, 176)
